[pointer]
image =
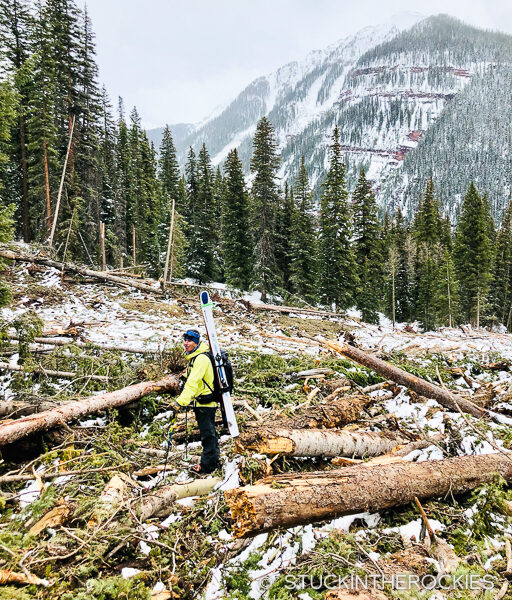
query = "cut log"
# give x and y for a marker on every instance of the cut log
(15, 430)
(296, 499)
(317, 442)
(156, 501)
(420, 386)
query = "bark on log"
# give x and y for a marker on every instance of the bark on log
(295, 499)
(337, 414)
(41, 260)
(14, 430)
(420, 386)
(319, 442)
(152, 504)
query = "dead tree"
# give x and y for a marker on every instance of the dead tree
(15, 430)
(298, 498)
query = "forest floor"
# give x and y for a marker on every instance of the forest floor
(91, 549)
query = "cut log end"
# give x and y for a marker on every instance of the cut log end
(242, 512)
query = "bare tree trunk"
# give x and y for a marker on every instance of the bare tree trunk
(168, 256)
(134, 256)
(159, 500)
(298, 498)
(102, 247)
(317, 442)
(15, 430)
(61, 185)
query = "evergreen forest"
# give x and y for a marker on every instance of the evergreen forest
(73, 166)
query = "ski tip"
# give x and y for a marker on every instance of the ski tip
(205, 297)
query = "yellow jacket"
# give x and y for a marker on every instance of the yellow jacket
(199, 371)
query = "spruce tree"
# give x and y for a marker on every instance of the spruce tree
(237, 241)
(265, 203)
(473, 254)
(338, 272)
(303, 251)
(202, 263)
(15, 50)
(367, 249)
(169, 173)
(500, 295)
(446, 292)
(428, 234)
(284, 236)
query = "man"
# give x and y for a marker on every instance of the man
(198, 391)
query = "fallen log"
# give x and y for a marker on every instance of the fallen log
(420, 386)
(336, 414)
(41, 260)
(317, 442)
(159, 500)
(46, 341)
(299, 498)
(50, 373)
(290, 309)
(14, 430)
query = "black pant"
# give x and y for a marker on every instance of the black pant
(205, 416)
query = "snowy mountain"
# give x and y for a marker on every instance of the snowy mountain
(413, 98)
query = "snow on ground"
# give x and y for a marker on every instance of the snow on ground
(134, 319)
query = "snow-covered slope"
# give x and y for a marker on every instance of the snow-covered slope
(389, 88)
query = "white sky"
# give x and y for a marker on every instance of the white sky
(177, 60)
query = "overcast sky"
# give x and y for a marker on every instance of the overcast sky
(177, 60)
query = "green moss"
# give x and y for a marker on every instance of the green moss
(112, 588)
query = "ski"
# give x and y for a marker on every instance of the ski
(207, 308)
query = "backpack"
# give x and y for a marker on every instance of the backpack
(216, 393)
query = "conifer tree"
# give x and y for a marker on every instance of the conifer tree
(367, 249)
(428, 234)
(404, 252)
(473, 254)
(500, 295)
(122, 186)
(265, 203)
(169, 173)
(303, 251)
(338, 272)
(237, 241)
(284, 236)
(201, 231)
(446, 296)
(15, 49)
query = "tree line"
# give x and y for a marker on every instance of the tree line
(262, 234)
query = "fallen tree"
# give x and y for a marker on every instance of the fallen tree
(299, 498)
(159, 500)
(15, 430)
(61, 341)
(50, 373)
(68, 267)
(335, 414)
(418, 385)
(317, 442)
